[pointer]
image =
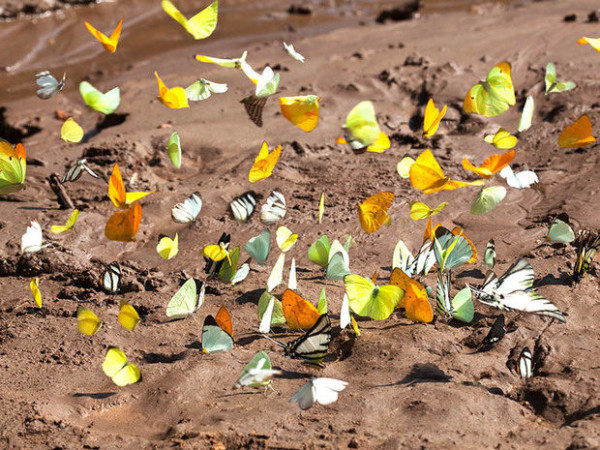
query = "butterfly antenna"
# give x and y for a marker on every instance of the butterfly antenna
(273, 340)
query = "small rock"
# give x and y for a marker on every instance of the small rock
(300, 9)
(570, 18)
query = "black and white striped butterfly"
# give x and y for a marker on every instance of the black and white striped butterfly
(254, 108)
(587, 247)
(77, 169)
(312, 346)
(514, 291)
(524, 366)
(188, 211)
(212, 267)
(111, 278)
(243, 207)
(274, 208)
(49, 86)
(489, 256)
(417, 265)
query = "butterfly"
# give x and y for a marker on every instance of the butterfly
(254, 108)
(487, 199)
(578, 134)
(276, 276)
(174, 149)
(31, 241)
(526, 115)
(257, 373)
(346, 317)
(212, 267)
(338, 265)
(111, 278)
(502, 139)
(414, 301)
(264, 163)
(290, 50)
(109, 43)
(233, 63)
(312, 346)
(321, 207)
(168, 248)
(460, 307)
(292, 279)
(230, 272)
(116, 367)
(524, 366)
(432, 118)
(174, 98)
(302, 111)
(494, 96)
(258, 247)
(188, 211)
(318, 390)
(187, 300)
(587, 247)
(76, 170)
(122, 226)
(452, 249)
(514, 291)
(49, 86)
(519, 180)
(71, 131)
(203, 89)
(103, 103)
(595, 43)
(216, 252)
(372, 213)
(556, 86)
(201, 25)
(362, 132)
(285, 238)
(87, 322)
(560, 230)
(116, 190)
(420, 211)
(491, 165)
(496, 333)
(489, 257)
(243, 207)
(299, 313)
(419, 265)
(274, 208)
(13, 165)
(265, 313)
(426, 175)
(217, 333)
(322, 252)
(68, 226)
(404, 165)
(266, 83)
(367, 299)
(128, 316)
(34, 285)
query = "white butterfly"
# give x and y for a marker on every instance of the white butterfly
(202, 89)
(256, 376)
(265, 322)
(243, 206)
(188, 211)
(514, 291)
(111, 278)
(419, 265)
(319, 390)
(519, 180)
(276, 277)
(49, 86)
(345, 312)
(289, 48)
(267, 83)
(292, 280)
(31, 241)
(76, 170)
(526, 115)
(274, 208)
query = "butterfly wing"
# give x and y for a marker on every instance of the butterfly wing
(314, 344)
(318, 252)
(493, 96)
(13, 165)
(183, 303)
(258, 247)
(124, 225)
(372, 213)
(128, 316)
(254, 108)
(87, 322)
(204, 23)
(299, 313)
(214, 338)
(276, 276)
(578, 134)
(223, 319)
(71, 131)
(301, 111)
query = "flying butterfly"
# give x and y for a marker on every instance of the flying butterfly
(174, 98)
(201, 25)
(290, 50)
(420, 211)
(264, 163)
(254, 107)
(312, 346)
(362, 132)
(302, 111)
(49, 86)
(587, 246)
(109, 43)
(243, 207)
(76, 170)
(104, 103)
(318, 390)
(188, 211)
(203, 89)
(594, 42)
(426, 175)
(174, 149)
(493, 96)
(432, 118)
(372, 213)
(487, 199)
(118, 369)
(519, 180)
(111, 278)
(71, 131)
(68, 226)
(491, 165)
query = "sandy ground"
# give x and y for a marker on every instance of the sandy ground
(410, 385)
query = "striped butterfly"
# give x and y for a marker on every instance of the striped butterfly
(524, 366)
(254, 108)
(312, 346)
(274, 208)
(243, 207)
(212, 267)
(188, 211)
(588, 246)
(111, 278)
(76, 170)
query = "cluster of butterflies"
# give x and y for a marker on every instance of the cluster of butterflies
(364, 297)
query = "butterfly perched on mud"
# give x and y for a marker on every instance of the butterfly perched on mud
(587, 247)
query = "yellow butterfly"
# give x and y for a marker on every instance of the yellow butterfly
(285, 238)
(68, 226)
(578, 134)
(116, 190)
(432, 118)
(594, 42)
(35, 290)
(109, 43)
(174, 98)
(201, 25)
(502, 139)
(321, 207)
(264, 163)
(302, 111)
(128, 316)
(372, 213)
(419, 210)
(71, 131)
(491, 165)
(217, 252)
(168, 248)
(493, 96)
(414, 301)
(87, 322)
(13, 165)
(116, 367)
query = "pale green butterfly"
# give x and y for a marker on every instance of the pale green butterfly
(203, 89)
(361, 126)
(318, 252)
(104, 103)
(339, 262)
(556, 86)
(489, 256)
(258, 372)
(451, 251)
(214, 338)
(560, 230)
(322, 305)
(174, 149)
(460, 307)
(186, 300)
(258, 247)
(487, 199)
(230, 272)
(277, 317)
(267, 83)
(526, 115)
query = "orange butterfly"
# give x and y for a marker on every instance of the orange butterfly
(578, 134)
(302, 111)
(299, 313)
(372, 213)
(415, 300)
(116, 190)
(223, 319)
(174, 98)
(124, 225)
(264, 163)
(427, 175)
(491, 165)
(109, 43)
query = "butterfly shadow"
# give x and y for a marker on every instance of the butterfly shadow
(563, 279)
(250, 297)
(196, 345)
(110, 120)
(293, 375)
(162, 358)
(473, 273)
(247, 340)
(422, 373)
(95, 395)
(15, 134)
(580, 415)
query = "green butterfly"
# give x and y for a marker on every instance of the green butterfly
(487, 199)
(556, 86)
(104, 103)
(258, 247)
(174, 149)
(460, 307)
